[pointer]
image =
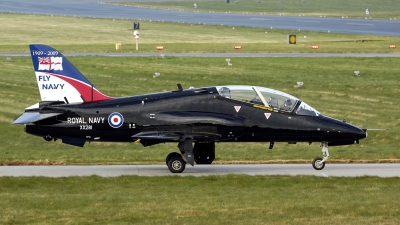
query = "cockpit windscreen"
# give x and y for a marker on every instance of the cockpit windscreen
(266, 97)
(259, 95)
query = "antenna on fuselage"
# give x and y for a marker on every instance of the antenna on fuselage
(179, 87)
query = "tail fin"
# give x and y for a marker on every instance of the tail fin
(59, 80)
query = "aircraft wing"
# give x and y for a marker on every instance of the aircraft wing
(187, 117)
(163, 135)
(176, 126)
(168, 135)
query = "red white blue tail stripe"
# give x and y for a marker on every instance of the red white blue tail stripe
(59, 80)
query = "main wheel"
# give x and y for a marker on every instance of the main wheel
(170, 155)
(317, 164)
(176, 164)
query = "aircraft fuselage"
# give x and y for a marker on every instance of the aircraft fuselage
(201, 113)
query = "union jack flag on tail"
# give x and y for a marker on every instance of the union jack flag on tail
(50, 63)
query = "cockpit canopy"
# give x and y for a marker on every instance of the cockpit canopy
(267, 97)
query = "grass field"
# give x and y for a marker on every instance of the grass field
(383, 9)
(232, 199)
(70, 34)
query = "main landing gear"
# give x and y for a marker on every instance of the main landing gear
(319, 163)
(201, 153)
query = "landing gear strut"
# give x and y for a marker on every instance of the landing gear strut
(186, 147)
(319, 163)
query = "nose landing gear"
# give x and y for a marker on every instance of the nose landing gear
(319, 163)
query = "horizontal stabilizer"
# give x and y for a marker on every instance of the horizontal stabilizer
(30, 117)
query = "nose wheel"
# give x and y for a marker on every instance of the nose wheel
(318, 164)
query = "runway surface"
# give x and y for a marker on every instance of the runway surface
(90, 8)
(336, 170)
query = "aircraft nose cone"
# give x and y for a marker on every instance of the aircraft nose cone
(346, 130)
(361, 133)
(355, 132)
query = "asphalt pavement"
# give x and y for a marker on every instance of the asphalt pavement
(96, 9)
(335, 170)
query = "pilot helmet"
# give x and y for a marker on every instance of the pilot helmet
(225, 92)
(287, 103)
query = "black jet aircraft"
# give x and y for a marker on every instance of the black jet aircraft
(73, 110)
